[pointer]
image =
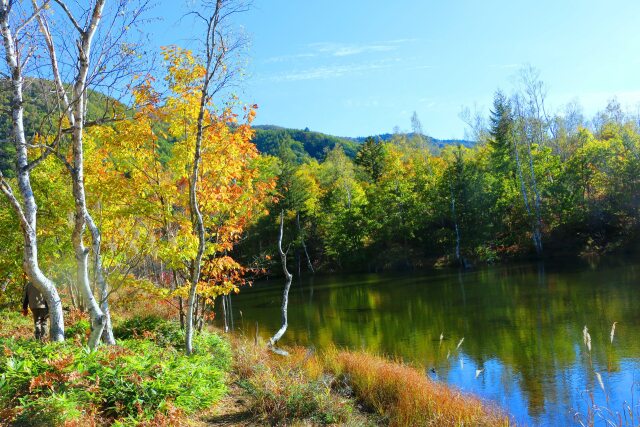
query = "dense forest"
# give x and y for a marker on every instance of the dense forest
(39, 102)
(306, 144)
(533, 186)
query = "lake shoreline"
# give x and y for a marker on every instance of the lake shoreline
(378, 390)
(250, 384)
(565, 262)
(522, 325)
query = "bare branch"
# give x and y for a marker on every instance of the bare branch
(5, 187)
(64, 7)
(36, 12)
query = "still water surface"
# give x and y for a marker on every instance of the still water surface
(522, 326)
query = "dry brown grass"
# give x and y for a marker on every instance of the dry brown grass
(328, 388)
(286, 390)
(405, 396)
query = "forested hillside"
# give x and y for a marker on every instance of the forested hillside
(305, 144)
(41, 114)
(556, 185)
(434, 143)
(533, 186)
(309, 144)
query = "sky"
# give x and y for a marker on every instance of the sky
(362, 67)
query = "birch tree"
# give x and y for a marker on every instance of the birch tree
(287, 285)
(219, 45)
(535, 127)
(19, 48)
(107, 67)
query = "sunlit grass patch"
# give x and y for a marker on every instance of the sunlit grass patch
(288, 389)
(405, 396)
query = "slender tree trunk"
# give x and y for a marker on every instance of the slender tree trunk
(525, 197)
(224, 314)
(107, 333)
(82, 268)
(82, 216)
(181, 308)
(75, 111)
(180, 301)
(231, 312)
(304, 246)
(285, 295)
(27, 209)
(74, 301)
(455, 224)
(198, 222)
(537, 231)
(196, 311)
(202, 305)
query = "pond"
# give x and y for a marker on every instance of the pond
(522, 326)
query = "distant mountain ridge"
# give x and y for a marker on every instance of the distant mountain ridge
(441, 143)
(304, 143)
(308, 143)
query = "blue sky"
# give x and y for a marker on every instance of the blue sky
(360, 67)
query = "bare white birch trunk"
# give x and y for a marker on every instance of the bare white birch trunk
(82, 213)
(75, 110)
(27, 210)
(107, 333)
(537, 231)
(198, 222)
(525, 197)
(215, 54)
(285, 295)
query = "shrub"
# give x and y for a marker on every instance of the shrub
(53, 410)
(287, 389)
(163, 332)
(15, 325)
(79, 330)
(135, 381)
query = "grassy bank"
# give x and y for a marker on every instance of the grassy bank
(147, 381)
(351, 388)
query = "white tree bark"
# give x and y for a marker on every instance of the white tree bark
(75, 111)
(77, 174)
(26, 210)
(107, 333)
(534, 119)
(536, 236)
(217, 75)
(537, 229)
(198, 222)
(285, 295)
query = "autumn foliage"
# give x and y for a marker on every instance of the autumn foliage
(143, 192)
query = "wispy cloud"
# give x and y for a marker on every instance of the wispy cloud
(421, 67)
(284, 58)
(428, 103)
(332, 71)
(341, 50)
